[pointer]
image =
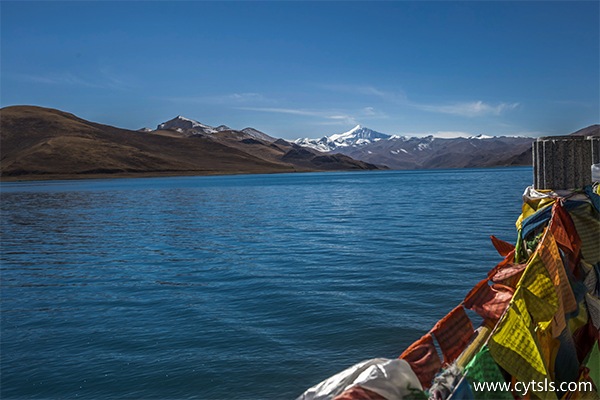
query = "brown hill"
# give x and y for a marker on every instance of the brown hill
(526, 157)
(42, 143)
(592, 130)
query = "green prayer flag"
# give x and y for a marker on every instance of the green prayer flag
(593, 363)
(482, 369)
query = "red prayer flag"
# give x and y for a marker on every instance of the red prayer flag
(423, 359)
(565, 234)
(508, 271)
(508, 259)
(359, 393)
(489, 301)
(503, 248)
(453, 333)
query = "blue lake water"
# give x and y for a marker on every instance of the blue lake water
(235, 287)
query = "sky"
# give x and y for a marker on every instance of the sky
(310, 68)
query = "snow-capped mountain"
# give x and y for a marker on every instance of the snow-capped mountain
(403, 152)
(355, 137)
(367, 145)
(185, 125)
(256, 134)
(190, 127)
(482, 136)
(222, 128)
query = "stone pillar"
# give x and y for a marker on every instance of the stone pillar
(564, 162)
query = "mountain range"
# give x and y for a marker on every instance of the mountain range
(189, 127)
(403, 152)
(356, 137)
(43, 143)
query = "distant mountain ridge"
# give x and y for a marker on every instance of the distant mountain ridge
(403, 152)
(38, 143)
(190, 127)
(43, 143)
(357, 136)
(184, 125)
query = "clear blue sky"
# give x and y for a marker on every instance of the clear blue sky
(306, 69)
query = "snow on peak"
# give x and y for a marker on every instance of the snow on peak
(192, 121)
(255, 133)
(399, 137)
(362, 132)
(222, 128)
(191, 127)
(481, 136)
(355, 137)
(316, 144)
(181, 123)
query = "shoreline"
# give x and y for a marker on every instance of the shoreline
(125, 175)
(173, 174)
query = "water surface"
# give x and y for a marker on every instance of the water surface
(235, 287)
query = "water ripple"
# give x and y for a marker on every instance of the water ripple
(237, 287)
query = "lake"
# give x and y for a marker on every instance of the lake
(235, 287)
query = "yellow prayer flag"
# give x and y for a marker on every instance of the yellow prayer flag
(514, 347)
(554, 264)
(538, 291)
